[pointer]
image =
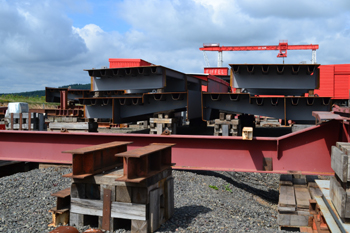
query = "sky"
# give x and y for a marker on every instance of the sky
(49, 43)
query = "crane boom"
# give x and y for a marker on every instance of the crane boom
(283, 46)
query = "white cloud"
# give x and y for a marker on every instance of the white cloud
(40, 45)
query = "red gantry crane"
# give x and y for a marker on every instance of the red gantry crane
(283, 46)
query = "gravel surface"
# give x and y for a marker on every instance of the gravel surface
(204, 201)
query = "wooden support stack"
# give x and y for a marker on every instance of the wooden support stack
(226, 125)
(139, 196)
(26, 121)
(295, 194)
(340, 183)
(163, 123)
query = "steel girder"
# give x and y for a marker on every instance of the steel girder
(307, 151)
(275, 79)
(146, 79)
(136, 107)
(288, 108)
(54, 94)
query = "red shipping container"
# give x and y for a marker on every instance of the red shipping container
(342, 69)
(326, 88)
(125, 62)
(341, 87)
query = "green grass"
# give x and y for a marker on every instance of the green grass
(213, 187)
(31, 100)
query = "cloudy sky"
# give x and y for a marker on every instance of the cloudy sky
(50, 42)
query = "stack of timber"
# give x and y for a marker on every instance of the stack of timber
(163, 124)
(66, 124)
(340, 183)
(226, 125)
(295, 193)
(115, 188)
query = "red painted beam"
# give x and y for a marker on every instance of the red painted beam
(307, 151)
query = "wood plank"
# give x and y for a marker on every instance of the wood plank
(86, 207)
(169, 198)
(302, 197)
(286, 209)
(118, 209)
(76, 219)
(287, 197)
(327, 216)
(339, 163)
(154, 210)
(128, 211)
(292, 220)
(315, 192)
(124, 194)
(338, 196)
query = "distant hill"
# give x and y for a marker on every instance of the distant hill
(42, 92)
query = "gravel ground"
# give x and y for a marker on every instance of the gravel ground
(204, 201)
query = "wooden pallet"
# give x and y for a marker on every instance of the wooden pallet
(295, 193)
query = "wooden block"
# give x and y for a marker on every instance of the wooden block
(311, 178)
(340, 198)
(302, 197)
(76, 219)
(286, 179)
(139, 226)
(299, 179)
(286, 196)
(287, 209)
(154, 210)
(247, 133)
(169, 198)
(92, 191)
(140, 195)
(77, 190)
(344, 147)
(292, 220)
(123, 194)
(315, 192)
(340, 164)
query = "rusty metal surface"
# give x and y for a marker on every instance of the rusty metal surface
(144, 162)
(106, 213)
(306, 151)
(62, 193)
(91, 160)
(65, 229)
(146, 150)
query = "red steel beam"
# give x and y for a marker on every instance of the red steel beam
(257, 48)
(306, 151)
